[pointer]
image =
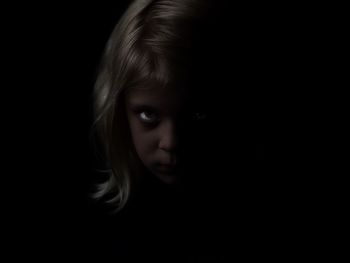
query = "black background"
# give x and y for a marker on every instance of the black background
(52, 52)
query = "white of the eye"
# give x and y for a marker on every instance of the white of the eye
(145, 117)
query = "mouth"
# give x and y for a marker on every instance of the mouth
(168, 168)
(168, 172)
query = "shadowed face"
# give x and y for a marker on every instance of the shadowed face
(155, 117)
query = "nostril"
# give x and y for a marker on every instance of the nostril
(168, 145)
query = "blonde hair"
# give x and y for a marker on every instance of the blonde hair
(148, 45)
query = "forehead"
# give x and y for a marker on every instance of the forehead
(162, 97)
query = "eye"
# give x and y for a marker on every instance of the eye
(148, 117)
(199, 116)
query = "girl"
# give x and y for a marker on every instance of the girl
(165, 124)
(150, 96)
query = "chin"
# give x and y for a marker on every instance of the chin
(165, 173)
(167, 178)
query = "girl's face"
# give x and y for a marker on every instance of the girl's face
(155, 120)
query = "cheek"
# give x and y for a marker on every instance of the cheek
(145, 142)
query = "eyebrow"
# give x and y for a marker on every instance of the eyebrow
(142, 106)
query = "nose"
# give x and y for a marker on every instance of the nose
(168, 136)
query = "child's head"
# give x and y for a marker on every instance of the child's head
(142, 93)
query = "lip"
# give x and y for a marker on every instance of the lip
(166, 168)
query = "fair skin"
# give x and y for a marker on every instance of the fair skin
(155, 120)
